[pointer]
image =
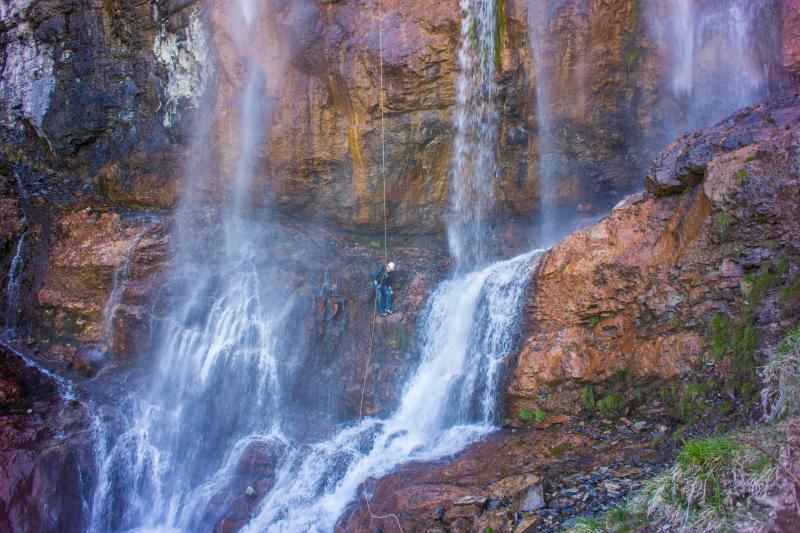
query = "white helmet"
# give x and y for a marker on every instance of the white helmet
(390, 266)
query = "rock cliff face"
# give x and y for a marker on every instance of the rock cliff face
(98, 97)
(634, 293)
(98, 108)
(46, 452)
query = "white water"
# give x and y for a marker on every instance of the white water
(217, 386)
(475, 144)
(469, 327)
(718, 56)
(214, 384)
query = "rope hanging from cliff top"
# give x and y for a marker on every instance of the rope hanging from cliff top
(383, 131)
(385, 253)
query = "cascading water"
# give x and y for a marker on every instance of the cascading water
(468, 329)
(718, 52)
(215, 380)
(475, 144)
(217, 384)
(14, 286)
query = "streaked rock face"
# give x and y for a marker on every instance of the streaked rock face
(634, 293)
(110, 100)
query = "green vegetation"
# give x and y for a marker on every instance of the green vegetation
(631, 56)
(611, 404)
(738, 339)
(723, 221)
(539, 415)
(740, 176)
(525, 416)
(721, 331)
(754, 286)
(713, 486)
(691, 403)
(781, 375)
(790, 296)
(750, 158)
(586, 398)
(400, 338)
(559, 449)
(620, 519)
(366, 240)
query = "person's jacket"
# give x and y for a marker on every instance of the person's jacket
(382, 277)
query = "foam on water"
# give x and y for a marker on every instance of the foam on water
(469, 328)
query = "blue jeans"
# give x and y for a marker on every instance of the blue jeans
(383, 298)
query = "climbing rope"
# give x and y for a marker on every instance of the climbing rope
(383, 132)
(385, 253)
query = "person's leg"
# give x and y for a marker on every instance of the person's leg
(379, 299)
(388, 300)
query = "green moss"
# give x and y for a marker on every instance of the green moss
(539, 415)
(741, 175)
(691, 403)
(721, 331)
(750, 158)
(525, 416)
(631, 56)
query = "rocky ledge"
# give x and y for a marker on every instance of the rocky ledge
(622, 357)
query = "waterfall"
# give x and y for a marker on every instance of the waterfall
(468, 329)
(214, 381)
(470, 326)
(119, 284)
(539, 12)
(474, 165)
(718, 53)
(14, 286)
(216, 389)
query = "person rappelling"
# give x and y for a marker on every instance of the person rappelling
(382, 281)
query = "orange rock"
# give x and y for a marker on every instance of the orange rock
(634, 293)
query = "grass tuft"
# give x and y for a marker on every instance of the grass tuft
(781, 376)
(723, 221)
(612, 404)
(586, 398)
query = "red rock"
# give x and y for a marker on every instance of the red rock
(651, 270)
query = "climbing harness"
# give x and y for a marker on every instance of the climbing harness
(385, 253)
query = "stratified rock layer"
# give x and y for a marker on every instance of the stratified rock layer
(634, 293)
